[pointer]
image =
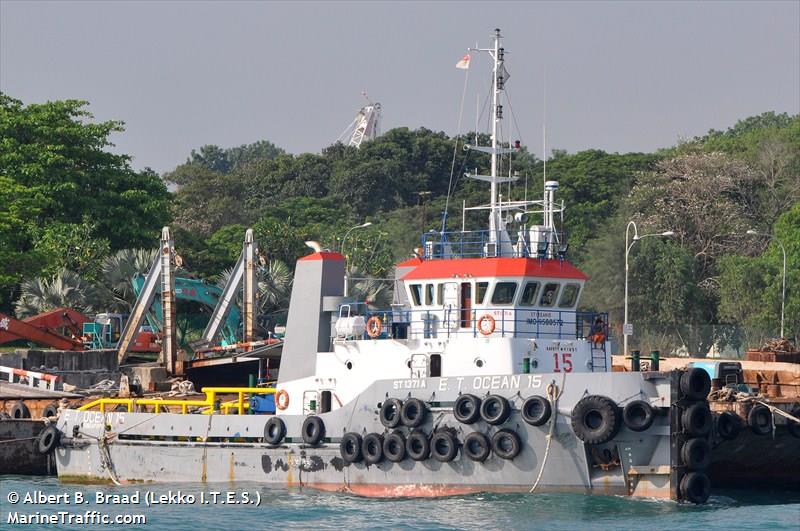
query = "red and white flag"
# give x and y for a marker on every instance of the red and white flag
(463, 64)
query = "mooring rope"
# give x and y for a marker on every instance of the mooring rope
(553, 394)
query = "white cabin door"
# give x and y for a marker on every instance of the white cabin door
(451, 300)
(419, 366)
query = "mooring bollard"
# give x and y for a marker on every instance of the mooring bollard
(654, 359)
(635, 358)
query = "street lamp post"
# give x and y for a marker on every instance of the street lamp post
(636, 238)
(341, 250)
(783, 286)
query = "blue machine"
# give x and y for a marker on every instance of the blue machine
(725, 372)
(262, 404)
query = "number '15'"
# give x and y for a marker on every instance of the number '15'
(566, 361)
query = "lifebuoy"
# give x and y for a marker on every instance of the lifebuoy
(282, 399)
(488, 328)
(536, 410)
(394, 446)
(350, 447)
(48, 439)
(467, 408)
(595, 419)
(444, 446)
(372, 448)
(477, 446)
(506, 444)
(374, 326)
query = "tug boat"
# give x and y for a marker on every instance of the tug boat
(481, 376)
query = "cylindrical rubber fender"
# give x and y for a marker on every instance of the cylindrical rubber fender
(696, 454)
(536, 410)
(394, 446)
(477, 446)
(20, 411)
(372, 448)
(467, 409)
(794, 427)
(350, 447)
(495, 409)
(418, 447)
(390, 412)
(413, 412)
(697, 420)
(48, 440)
(695, 487)
(274, 431)
(506, 444)
(50, 410)
(313, 430)
(444, 446)
(638, 415)
(695, 384)
(729, 425)
(760, 420)
(595, 419)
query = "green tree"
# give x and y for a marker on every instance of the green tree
(71, 246)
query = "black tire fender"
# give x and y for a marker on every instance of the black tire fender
(536, 410)
(760, 420)
(695, 487)
(695, 383)
(313, 430)
(595, 419)
(394, 446)
(48, 440)
(697, 420)
(729, 425)
(418, 447)
(20, 411)
(506, 444)
(274, 431)
(50, 410)
(467, 409)
(350, 447)
(638, 415)
(495, 409)
(696, 454)
(477, 446)
(444, 446)
(413, 413)
(390, 412)
(372, 448)
(794, 427)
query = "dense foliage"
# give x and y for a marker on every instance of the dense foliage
(66, 203)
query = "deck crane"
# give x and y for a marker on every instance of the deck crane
(365, 126)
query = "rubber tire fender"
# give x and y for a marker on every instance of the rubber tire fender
(274, 431)
(477, 446)
(495, 409)
(50, 410)
(536, 410)
(20, 411)
(696, 454)
(48, 440)
(467, 409)
(390, 412)
(313, 430)
(794, 427)
(394, 446)
(413, 413)
(418, 447)
(444, 446)
(506, 444)
(760, 420)
(638, 415)
(729, 425)
(695, 384)
(697, 420)
(350, 447)
(372, 448)
(695, 487)
(595, 419)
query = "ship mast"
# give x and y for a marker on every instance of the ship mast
(497, 116)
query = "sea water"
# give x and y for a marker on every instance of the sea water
(188, 506)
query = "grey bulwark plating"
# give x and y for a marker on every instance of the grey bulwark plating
(222, 448)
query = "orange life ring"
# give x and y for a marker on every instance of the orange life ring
(374, 326)
(484, 330)
(282, 399)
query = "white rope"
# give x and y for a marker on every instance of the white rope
(553, 394)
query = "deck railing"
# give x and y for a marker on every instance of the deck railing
(207, 405)
(479, 244)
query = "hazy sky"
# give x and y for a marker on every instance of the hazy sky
(621, 76)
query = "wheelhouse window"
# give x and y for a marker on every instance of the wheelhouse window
(504, 293)
(480, 291)
(416, 293)
(428, 294)
(529, 294)
(568, 296)
(549, 294)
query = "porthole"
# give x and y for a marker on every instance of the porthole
(348, 364)
(408, 363)
(534, 363)
(478, 362)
